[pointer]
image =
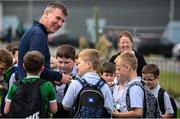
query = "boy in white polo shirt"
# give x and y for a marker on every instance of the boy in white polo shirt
(87, 64)
(126, 65)
(150, 76)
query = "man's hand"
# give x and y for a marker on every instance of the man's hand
(58, 83)
(65, 78)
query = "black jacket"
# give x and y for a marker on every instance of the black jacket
(140, 58)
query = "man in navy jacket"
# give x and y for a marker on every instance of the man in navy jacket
(36, 38)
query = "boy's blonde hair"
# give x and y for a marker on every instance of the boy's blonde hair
(128, 58)
(91, 55)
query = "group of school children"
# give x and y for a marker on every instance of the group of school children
(59, 99)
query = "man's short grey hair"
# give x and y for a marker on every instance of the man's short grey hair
(58, 5)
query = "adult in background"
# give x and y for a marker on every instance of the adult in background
(36, 38)
(125, 43)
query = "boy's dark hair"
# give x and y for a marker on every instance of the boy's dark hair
(107, 67)
(152, 69)
(6, 58)
(66, 51)
(12, 47)
(59, 6)
(33, 62)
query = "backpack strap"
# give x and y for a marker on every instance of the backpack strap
(128, 100)
(82, 81)
(99, 84)
(162, 104)
(18, 83)
(16, 76)
(39, 82)
(161, 100)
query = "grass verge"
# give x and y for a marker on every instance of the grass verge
(170, 82)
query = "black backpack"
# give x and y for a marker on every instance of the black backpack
(89, 102)
(150, 106)
(27, 101)
(161, 103)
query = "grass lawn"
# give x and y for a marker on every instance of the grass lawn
(178, 113)
(170, 82)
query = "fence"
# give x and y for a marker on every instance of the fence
(169, 74)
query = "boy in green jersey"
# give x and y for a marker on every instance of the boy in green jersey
(33, 64)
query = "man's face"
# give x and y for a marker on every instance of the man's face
(149, 80)
(55, 20)
(65, 65)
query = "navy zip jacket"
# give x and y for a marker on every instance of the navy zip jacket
(36, 39)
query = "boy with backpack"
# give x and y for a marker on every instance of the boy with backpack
(167, 105)
(88, 96)
(65, 57)
(136, 100)
(31, 97)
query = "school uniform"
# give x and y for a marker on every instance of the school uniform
(47, 90)
(117, 95)
(75, 87)
(60, 89)
(136, 94)
(167, 102)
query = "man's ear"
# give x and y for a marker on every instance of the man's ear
(46, 12)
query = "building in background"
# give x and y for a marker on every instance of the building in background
(133, 15)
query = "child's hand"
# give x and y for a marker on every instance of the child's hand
(115, 111)
(58, 83)
(65, 78)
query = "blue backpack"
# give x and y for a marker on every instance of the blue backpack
(89, 102)
(150, 106)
